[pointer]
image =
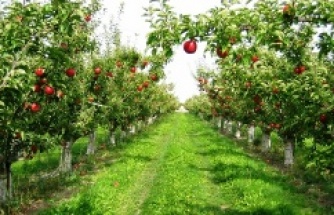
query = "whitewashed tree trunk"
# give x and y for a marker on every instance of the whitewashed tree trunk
(266, 142)
(229, 127)
(92, 143)
(5, 186)
(112, 140)
(238, 132)
(123, 136)
(132, 130)
(139, 125)
(219, 122)
(66, 157)
(150, 120)
(288, 153)
(251, 131)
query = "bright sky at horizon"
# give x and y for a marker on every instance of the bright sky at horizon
(180, 71)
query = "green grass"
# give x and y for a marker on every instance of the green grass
(182, 166)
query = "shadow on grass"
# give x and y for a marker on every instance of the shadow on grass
(198, 209)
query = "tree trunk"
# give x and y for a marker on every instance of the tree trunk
(229, 127)
(133, 129)
(6, 183)
(288, 153)
(91, 145)
(251, 131)
(150, 120)
(266, 142)
(111, 137)
(219, 122)
(238, 132)
(123, 136)
(66, 157)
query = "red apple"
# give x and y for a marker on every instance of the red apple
(70, 72)
(109, 74)
(221, 54)
(33, 148)
(119, 64)
(37, 88)
(97, 87)
(145, 63)
(35, 107)
(248, 84)
(88, 18)
(302, 68)
(133, 69)
(140, 88)
(146, 84)
(323, 118)
(154, 77)
(255, 58)
(190, 46)
(275, 90)
(97, 70)
(43, 81)
(39, 72)
(49, 90)
(286, 9)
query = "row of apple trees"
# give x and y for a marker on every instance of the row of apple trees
(275, 67)
(54, 85)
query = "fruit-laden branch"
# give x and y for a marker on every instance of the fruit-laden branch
(11, 72)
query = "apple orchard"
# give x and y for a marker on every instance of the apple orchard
(56, 85)
(275, 72)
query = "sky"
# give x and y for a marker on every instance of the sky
(180, 71)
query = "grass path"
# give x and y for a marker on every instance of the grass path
(182, 166)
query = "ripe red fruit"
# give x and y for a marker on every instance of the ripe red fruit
(97, 87)
(97, 70)
(34, 149)
(39, 72)
(296, 70)
(109, 74)
(146, 84)
(145, 63)
(70, 72)
(190, 46)
(255, 58)
(257, 99)
(119, 64)
(88, 18)
(140, 88)
(37, 88)
(302, 68)
(133, 69)
(35, 107)
(275, 90)
(18, 135)
(49, 90)
(154, 77)
(221, 54)
(286, 9)
(64, 46)
(323, 118)
(43, 81)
